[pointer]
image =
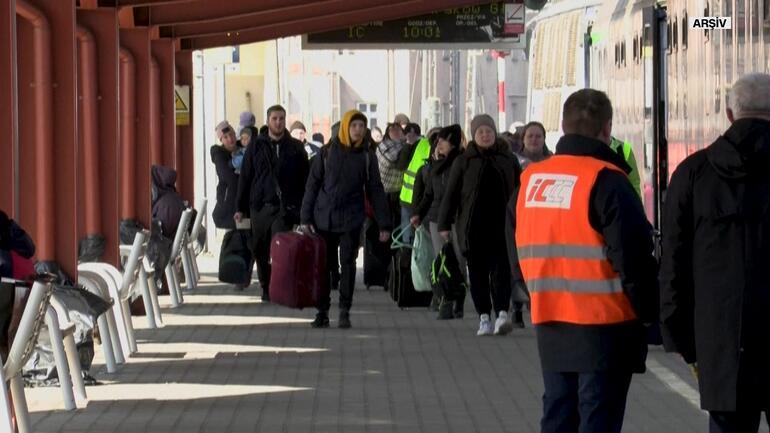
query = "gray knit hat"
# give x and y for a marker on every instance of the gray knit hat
(482, 120)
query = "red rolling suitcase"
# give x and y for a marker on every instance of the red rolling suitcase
(299, 275)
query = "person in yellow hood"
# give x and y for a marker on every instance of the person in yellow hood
(340, 181)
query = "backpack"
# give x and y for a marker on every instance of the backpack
(446, 277)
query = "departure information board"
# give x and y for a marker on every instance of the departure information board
(495, 25)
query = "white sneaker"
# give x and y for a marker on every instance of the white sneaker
(503, 323)
(485, 325)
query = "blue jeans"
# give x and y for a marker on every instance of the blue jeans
(584, 402)
(406, 215)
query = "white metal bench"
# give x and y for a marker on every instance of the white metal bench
(108, 331)
(26, 336)
(193, 239)
(174, 288)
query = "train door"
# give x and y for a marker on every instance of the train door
(655, 176)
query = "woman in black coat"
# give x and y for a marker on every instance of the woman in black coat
(228, 158)
(480, 184)
(427, 209)
(345, 174)
(225, 159)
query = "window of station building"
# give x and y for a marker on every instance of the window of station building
(369, 109)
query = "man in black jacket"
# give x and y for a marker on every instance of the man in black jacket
(588, 348)
(715, 290)
(270, 188)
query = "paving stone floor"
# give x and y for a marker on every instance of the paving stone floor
(226, 362)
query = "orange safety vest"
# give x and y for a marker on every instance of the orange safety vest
(562, 257)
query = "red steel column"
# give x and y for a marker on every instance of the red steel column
(185, 142)
(156, 156)
(127, 135)
(164, 52)
(55, 184)
(89, 131)
(35, 109)
(137, 41)
(8, 147)
(103, 23)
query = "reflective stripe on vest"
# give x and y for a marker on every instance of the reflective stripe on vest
(421, 154)
(562, 257)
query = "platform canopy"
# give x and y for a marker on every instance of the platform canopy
(200, 24)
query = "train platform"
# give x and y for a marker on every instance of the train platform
(226, 362)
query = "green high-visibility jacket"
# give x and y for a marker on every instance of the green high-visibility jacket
(628, 154)
(421, 154)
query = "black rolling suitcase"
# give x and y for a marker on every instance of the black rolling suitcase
(376, 256)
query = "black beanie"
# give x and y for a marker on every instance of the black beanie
(452, 134)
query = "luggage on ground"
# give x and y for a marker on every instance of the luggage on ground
(235, 259)
(299, 276)
(446, 277)
(376, 256)
(400, 284)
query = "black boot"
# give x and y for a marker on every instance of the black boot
(434, 303)
(459, 307)
(445, 310)
(518, 319)
(344, 322)
(321, 320)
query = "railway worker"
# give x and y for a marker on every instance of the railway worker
(625, 149)
(270, 188)
(586, 253)
(715, 289)
(413, 155)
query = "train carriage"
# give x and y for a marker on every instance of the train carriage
(668, 83)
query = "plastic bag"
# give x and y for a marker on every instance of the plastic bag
(83, 308)
(91, 248)
(422, 259)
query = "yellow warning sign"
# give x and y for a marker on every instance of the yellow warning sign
(182, 105)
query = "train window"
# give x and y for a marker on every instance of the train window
(675, 34)
(623, 52)
(685, 32)
(766, 15)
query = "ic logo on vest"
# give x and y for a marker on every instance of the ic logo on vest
(550, 191)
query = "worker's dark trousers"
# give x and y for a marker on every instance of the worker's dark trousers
(584, 402)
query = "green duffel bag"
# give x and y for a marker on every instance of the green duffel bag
(422, 260)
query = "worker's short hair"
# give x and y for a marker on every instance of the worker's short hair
(586, 112)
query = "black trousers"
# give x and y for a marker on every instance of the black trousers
(265, 223)
(346, 245)
(745, 421)
(489, 274)
(584, 402)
